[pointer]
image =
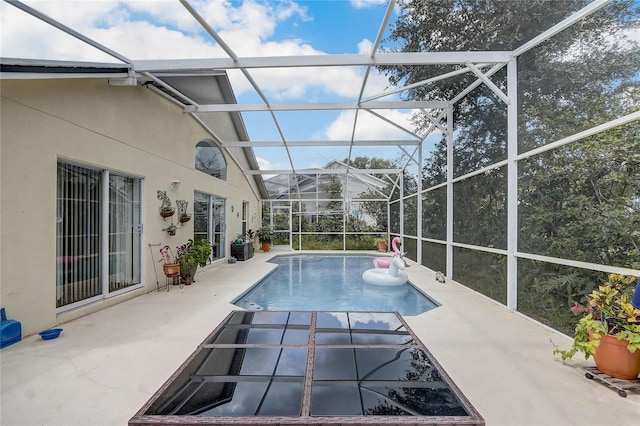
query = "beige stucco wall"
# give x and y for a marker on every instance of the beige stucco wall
(129, 130)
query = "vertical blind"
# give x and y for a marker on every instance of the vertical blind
(79, 217)
(78, 234)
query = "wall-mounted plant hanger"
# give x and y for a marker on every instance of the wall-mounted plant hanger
(171, 229)
(166, 209)
(183, 216)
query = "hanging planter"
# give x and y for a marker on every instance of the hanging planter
(171, 229)
(166, 212)
(183, 216)
(166, 209)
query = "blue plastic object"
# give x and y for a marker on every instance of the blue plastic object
(10, 330)
(636, 296)
(50, 334)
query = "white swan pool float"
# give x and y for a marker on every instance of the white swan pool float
(393, 276)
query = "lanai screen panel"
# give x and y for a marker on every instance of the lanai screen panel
(541, 98)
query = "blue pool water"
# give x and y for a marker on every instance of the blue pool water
(330, 283)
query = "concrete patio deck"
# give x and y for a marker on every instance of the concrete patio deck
(106, 365)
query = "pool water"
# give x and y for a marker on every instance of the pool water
(330, 283)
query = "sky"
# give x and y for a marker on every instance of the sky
(164, 29)
(155, 29)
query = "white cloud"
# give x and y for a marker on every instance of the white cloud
(157, 29)
(265, 164)
(112, 24)
(126, 28)
(370, 127)
(362, 4)
(163, 30)
(365, 46)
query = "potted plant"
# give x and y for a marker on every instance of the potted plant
(251, 236)
(166, 212)
(265, 235)
(183, 216)
(381, 243)
(609, 328)
(171, 229)
(190, 256)
(171, 266)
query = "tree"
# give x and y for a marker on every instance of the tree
(579, 201)
(331, 219)
(364, 162)
(374, 209)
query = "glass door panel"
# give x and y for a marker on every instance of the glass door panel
(77, 234)
(218, 228)
(209, 223)
(124, 232)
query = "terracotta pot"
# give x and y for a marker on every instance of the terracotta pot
(171, 269)
(382, 246)
(614, 359)
(266, 246)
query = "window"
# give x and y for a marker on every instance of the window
(245, 214)
(210, 160)
(88, 199)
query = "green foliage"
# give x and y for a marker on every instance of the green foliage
(483, 272)
(334, 242)
(591, 191)
(546, 292)
(265, 234)
(375, 209)
(363, 162)
(608, 311)
(332, 188)
(580, 201)
(193, 254)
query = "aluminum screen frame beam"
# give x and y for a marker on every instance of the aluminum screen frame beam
(323, 61)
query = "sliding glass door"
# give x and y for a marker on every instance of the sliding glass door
(209, 223)
(94, 260)
(125, 231)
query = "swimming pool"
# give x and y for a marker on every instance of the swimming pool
(330, 283)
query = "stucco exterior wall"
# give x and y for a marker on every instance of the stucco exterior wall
(128, 130)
